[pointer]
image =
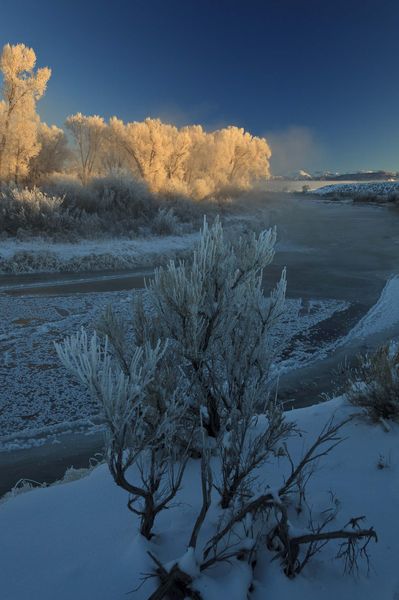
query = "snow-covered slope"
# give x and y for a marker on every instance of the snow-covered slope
(378, 188)
(382, 316)
(78, 540)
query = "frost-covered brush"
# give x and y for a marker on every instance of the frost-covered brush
(177, 581)
(249, 441)
(262, 521)
(281, 537)
(283, 540)
(138, 433)
(214, 312)
(373, 384)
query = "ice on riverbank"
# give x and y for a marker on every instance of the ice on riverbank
(39, 398)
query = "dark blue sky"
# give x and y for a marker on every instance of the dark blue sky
(319, 77)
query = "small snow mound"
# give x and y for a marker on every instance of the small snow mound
(188, 563)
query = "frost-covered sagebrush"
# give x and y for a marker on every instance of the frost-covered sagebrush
(373, 384)
(142, 420)
(188, 379)
(213, 322)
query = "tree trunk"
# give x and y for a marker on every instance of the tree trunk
(148, 518)
(213, 424)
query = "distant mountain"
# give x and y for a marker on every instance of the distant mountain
(358, 176)
(302, 175)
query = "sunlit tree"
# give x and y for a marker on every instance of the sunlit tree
(88, 133)
(190, 160)
(53, 154)
(22, 87)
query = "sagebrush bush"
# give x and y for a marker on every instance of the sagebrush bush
(165, 223)
(25, 212)
(115, 194)
(116, 205)
(373, 383)
(179, 385)
(30, 210)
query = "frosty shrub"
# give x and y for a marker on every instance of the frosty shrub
(188, 378)
(28, 262)
(142, 414)
(67, 210)
(212, 321)
(165, 222)
(214, 312)
(373, 383)
(28, 210)
(119, 194)
(64, 185)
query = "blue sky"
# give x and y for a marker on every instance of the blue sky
(320, 78)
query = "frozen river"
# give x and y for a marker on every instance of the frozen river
(342, 265)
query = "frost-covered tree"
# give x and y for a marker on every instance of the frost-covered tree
(240, 158)
(53, 153)
(88, 133)
(189, 160)
(22, 87)
(125, 137)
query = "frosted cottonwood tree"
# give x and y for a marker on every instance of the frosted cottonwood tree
(53, 153)
(22, 88)
(189, 160)
(88, 133)
(240, 158)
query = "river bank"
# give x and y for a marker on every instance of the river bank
(341, 261)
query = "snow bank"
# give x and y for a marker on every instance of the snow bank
(383, 315)
(40, 255)
(78, 540)
(377, 188)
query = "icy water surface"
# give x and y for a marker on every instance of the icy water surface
(343, 297)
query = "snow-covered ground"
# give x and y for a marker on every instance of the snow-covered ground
(38, 255)
(382, 316)
(297, 185)
(377, 188)
(79, 541)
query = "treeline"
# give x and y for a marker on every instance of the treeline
(186, 160)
